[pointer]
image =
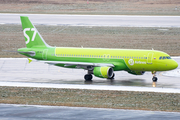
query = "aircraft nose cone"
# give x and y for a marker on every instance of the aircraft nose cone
(174, 64)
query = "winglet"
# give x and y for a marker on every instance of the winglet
(29, 60)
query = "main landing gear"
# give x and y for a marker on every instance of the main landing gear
(154, 79)
(88, 77)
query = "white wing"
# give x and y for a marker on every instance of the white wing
(84, 65)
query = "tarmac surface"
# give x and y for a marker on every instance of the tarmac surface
(94, 20)
(31, 112)
(19, 70)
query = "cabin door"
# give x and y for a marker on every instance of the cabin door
(44, 55)
(150, 58)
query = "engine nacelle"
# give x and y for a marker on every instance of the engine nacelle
(136, 72)
(103, 72)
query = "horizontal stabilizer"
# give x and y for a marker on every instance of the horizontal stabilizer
(31, 53)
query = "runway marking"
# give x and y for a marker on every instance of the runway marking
(91, 87)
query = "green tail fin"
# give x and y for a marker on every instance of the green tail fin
(31, 35)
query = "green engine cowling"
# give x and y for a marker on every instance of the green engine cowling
(103, 72)
(136, 72)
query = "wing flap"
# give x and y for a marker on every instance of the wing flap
(31, 53)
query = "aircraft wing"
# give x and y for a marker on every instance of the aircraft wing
(84, 65)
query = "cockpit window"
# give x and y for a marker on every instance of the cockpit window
(164, 57)
(168, 57)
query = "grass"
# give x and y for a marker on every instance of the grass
(91, 98)
(164, 39)
(106, 7)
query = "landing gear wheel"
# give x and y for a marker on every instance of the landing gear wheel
(88, 78)
(154, 79)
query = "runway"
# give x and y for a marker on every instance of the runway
(29, 112)
(17, 70)
(94, 20)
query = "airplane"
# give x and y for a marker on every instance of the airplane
(99, 62)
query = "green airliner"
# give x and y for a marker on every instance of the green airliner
(99, 62)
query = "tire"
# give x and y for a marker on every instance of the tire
(88, 77)
(154, 79)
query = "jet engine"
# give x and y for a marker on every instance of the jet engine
(103, 72)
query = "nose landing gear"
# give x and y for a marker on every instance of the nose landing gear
(154, 79)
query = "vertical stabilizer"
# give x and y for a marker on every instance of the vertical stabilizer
(31, 35)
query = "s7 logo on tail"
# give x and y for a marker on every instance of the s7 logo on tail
(27, 36)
